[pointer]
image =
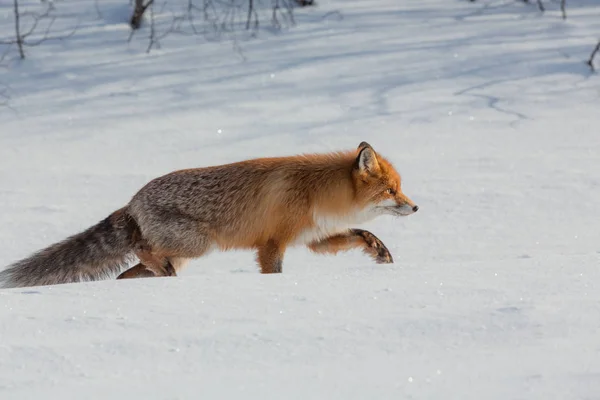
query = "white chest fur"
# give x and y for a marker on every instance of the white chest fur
(327, 225)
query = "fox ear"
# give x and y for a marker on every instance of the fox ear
(362, 145)
(367, 160)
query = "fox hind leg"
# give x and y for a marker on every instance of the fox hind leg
(138, 271)
(155, 262)
(141, 271)
(164, 251)
(354, 238)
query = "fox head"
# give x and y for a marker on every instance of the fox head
(378, 184)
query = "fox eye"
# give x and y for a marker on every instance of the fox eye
(391, 191)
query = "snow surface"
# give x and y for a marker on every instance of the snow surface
(486, 108)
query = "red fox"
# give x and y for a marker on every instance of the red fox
(266, 204)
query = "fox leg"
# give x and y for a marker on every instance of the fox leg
(164, 251)
(270, 257)
(141, 271)
(138, 271)
(354, 238)
(154, 262)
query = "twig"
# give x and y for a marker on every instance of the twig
(190, 15)
(215, 19)
(138, 13)
(288, 14)
(21, 37)
(563, 8)
(590, 62)
(209, 5)
(153, 39)
(18, 29)
(250, 9)
(232, 15)
(290, 10)
(541, 5)
(275, 21)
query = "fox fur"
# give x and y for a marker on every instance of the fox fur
(266, 204)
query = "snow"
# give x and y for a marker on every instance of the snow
(487, 109)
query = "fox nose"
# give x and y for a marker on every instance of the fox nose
(415, 208)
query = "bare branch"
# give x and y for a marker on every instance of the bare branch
(216, 18)
(285, 14)
(36, 20)
(19, 38)
(563, 8)
(153, 40)
(190, 15)
(590, 61)
(138, 13)
(290, 11)
(541, 5)
(250, 9)
(274, 19)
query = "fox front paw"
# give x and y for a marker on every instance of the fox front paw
(375, 247)
(384, 257)
(383, 254)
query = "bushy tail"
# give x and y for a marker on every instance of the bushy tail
(96, 253)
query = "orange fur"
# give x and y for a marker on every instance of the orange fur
(267, 204)
(354, 238)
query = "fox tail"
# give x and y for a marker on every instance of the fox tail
(96, 253)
